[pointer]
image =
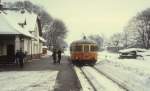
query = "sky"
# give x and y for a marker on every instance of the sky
(103, 17)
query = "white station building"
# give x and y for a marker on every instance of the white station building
(19, 29)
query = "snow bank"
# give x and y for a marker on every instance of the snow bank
(132, 49)
(134, 74)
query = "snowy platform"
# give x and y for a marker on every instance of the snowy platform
(27, 80)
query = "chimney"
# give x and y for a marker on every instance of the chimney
(22, 10)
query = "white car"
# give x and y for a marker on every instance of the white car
(132, 53)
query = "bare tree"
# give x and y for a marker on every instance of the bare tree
(130, 35)
(54, 29)
(140, 24)
(46, 19)
(116, 40)
(98, 39)
(56, 33)
(143, 27)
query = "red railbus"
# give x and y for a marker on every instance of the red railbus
(83, 52)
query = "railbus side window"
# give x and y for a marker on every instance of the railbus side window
(78, 48)
(93, 48)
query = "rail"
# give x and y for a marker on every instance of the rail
(99, 80)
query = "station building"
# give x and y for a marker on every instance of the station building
(20, 29)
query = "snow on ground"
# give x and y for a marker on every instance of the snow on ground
(100, 82)
(104, 55)
(83, 81)
(132, 73)
(27, 80)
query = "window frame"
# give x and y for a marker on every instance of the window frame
(95, 48)
(88, 48)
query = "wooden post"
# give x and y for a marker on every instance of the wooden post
(17, 43)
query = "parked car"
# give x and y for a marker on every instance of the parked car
(131, 53)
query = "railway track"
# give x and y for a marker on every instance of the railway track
(84, 81)
(119, 84)
(97, 80)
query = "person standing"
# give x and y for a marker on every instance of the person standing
(20, 57)
(17, 57)
(59, 56)
(54, 56)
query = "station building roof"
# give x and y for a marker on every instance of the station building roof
(9, 23)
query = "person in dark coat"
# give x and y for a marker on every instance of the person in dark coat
(54, 56)
(17, 57)
(20, 57)
(59, 56)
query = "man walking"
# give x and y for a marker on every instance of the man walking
(54, 56)
(20, 57)
(59, 56)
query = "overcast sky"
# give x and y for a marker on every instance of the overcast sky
(93, 16)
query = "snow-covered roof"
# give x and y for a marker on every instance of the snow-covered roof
(42, 39)
(44, 47)
(132, 49)
(5, 26)
(9, 23)
(18, 17)
(31, 20)
(9, 26)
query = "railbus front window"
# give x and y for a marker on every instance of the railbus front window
(86, 48)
